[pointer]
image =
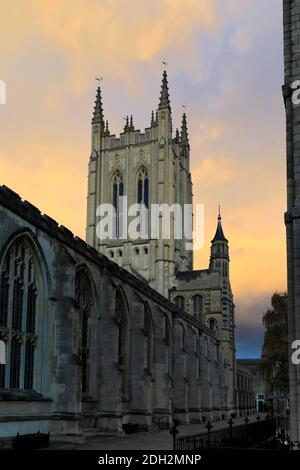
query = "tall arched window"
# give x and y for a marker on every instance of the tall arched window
(21, 286)
(2, 362)
(123, 350)
(179, 302)
(183, 347)
(198, 306)
(4, 292)
(169, 345)
(183, 340)
(84, 299)
(198, 357)
(143, 196)
(148, 332)
(117, 192)
(143, 187)
(213, 325)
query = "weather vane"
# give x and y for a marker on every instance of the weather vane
(99, 79)
(165, 63)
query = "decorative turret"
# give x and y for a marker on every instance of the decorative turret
(177, 137)
(219, 252)
(126, 127)
(98, 110)
(106, 132)
(131, 127)
(164, 101)
(184, 132)
(164, 115)
(152, 119)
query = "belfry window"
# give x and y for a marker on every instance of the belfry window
(143, 187)
(143, 195)
(117, 193)
(198, 306)
(179, 302)
(20, 284)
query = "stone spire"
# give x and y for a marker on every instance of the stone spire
(164, 101)
(184, 131)
(98, 110)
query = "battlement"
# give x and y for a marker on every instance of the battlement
(133, 137)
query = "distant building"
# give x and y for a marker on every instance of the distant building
(259, 390)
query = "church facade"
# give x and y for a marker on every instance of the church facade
(104, 334)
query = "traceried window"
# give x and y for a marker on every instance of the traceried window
(197, 301)
(20, 286)
(179, 302)
(117, 193)
(143, 187)
(143, 197)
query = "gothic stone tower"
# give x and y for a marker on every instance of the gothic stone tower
(150, 167)
(291, 25)
(206, 295)
(219, 262)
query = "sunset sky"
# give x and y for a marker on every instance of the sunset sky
(225, 63)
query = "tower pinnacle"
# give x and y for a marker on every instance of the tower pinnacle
(184, 131)
(98, 110)
(164, 101)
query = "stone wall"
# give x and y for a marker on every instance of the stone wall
(169, 366)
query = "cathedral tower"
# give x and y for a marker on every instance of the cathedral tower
(148, 168)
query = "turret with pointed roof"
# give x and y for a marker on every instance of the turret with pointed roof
(219, 252)
(219, 235)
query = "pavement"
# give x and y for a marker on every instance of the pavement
(152, 440)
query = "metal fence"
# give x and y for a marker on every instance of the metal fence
(248, 435)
